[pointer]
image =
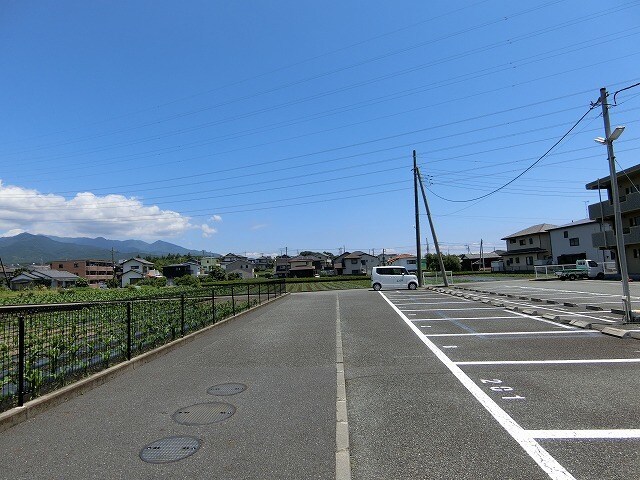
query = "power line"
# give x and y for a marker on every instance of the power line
(526, 169)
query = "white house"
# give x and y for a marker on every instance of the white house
(527, 248)
(410, 262)
(134, 270)
(573, 241)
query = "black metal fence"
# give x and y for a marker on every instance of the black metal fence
(43, 347)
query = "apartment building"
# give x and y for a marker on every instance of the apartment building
(629, 191)
(96, 272)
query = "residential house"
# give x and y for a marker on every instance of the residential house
(230, 258)
(527, 248)
(208, 263)
(96, 272)
(263, 263)
(629, 192)
(356, 263)
(407, 260)
(281, 268)
(574, 241)
(134, 270)
(474, 261)
(302, 266)
(178, 270)
(243, 267)
(43, 276)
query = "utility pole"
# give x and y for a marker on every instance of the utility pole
(622, 254)
(417, 211)
(433, 232)
(481, 256)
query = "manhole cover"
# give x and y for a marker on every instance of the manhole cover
(227, 389)
(170, 449)
(204, 413)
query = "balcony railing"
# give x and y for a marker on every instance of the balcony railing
(607, 239)
(628, 203)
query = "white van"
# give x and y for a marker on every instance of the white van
(393, 277)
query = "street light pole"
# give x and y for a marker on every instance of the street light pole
(622, 255)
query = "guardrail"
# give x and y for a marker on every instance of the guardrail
(431, 278)
(44, 347)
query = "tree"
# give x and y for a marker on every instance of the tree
(217, 273)
(234, 276)
(451, 262)
(82, 282)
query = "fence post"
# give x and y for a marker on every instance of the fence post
(182, 315)
(233, 302)
(213, 303)
(128, 330)
(21, 355)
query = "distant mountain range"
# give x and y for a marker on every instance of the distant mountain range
(28, 248)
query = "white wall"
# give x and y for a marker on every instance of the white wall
(560, 245)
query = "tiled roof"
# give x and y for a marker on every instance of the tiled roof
(540, 228)
(585, 221)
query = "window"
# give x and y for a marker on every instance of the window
(412, 262)
(60, 265)
(523, 242)
(529, 260)
(512, 240)
(531, 241)
(354, 261)
(635, 253)
(566, 234)
(75, 265)
(574, 242)
(517, 259)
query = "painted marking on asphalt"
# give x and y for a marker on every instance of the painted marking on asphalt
(544, 320)
(545, 332)
(464, 318)
(552, 362)
(587, 434)
(343, 458)
(546, 462)
(454, 309)
(449, 346)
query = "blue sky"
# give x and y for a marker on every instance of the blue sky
(259, 126)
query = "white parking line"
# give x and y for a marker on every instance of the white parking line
(464, 318)
(552, 362)
(544, 460)
(545, 332)
(587, 434)
(432, 303)
(454, 309)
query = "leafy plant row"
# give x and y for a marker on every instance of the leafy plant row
(62, 345)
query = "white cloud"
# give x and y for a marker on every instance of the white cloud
(216, 218)
(259, 226)
(207, 231)
(86, 214)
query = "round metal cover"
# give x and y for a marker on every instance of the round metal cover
(227, 389)
(204, 413)
(170, 449)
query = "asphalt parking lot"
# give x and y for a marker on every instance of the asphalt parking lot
(567, 395)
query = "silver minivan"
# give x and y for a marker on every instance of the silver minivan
(393, 277)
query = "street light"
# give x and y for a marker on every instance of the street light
(622, 254)
(614, 136)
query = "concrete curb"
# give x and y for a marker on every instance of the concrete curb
(38, 405)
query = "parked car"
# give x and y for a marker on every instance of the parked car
(392, 277)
